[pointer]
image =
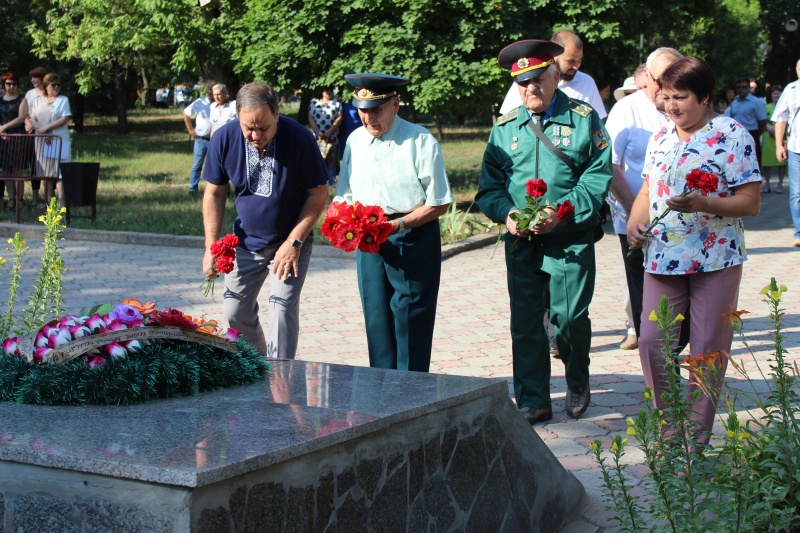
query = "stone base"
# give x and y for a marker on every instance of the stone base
(321, 448)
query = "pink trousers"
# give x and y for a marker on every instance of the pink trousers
(708, 295)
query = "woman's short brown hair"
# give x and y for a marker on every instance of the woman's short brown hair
(690, 74)
(38, 72)
(50, 78)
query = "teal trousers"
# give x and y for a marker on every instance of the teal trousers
(565, 265)
(399, 289)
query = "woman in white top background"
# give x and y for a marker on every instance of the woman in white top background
(50, 115)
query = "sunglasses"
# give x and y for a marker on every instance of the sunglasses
(11, 84)
(56, 85)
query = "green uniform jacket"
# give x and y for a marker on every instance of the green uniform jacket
(511, 158)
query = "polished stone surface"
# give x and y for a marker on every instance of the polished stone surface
(199, 440)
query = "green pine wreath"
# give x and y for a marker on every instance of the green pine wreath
(167, 369)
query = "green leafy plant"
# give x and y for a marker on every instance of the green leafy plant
(46, 298)
(749, 479)
(456, 224)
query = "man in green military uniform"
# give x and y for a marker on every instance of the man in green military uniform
(556, 254)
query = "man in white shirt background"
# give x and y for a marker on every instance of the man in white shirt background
(576, 84)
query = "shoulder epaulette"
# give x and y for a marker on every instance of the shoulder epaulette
(508, 117)
(579, 107)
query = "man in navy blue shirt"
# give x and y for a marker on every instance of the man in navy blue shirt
(281, 187)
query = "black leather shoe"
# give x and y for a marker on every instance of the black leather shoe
(533, 415)
(577, 403)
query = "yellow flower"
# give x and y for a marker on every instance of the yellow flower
(652, 317)
(648, 394)
(594, 446)
(614, 447)
(63, 210)
(10, 241)
(41, 218)
(784, 288)
(624, 442)
(744, 436)
(2, 261)
(629, 421)
(663, 422)
(731, 434)
(631, 431)
(679, 318)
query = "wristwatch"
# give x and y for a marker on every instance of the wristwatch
(296, 243)
(401, 226)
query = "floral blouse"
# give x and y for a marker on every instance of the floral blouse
(687, 243)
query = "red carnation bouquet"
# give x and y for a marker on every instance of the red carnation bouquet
(538, 208)
(224, 253)
(351, 226)
(697, 180)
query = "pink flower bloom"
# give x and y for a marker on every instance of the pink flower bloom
(42, 354)
(58, 337)
(232, 334)
(47, 329)
(79, 331)
(96, 361)
(132, 346)
(41, 339)
(136, 323)
(116, 325)
(10, 345)
(115, 350)
(94, 323)
(67, 321)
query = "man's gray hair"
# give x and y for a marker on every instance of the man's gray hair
(664, 52)
(221, 87)
(257, 94)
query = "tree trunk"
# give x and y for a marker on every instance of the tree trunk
(145, 88)
(121, 97)
(305, 102)
(76, 103)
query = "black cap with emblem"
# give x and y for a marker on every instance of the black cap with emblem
(528, 59)
(374, 88)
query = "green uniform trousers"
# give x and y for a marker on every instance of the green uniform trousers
(568, 269)
(399, 289)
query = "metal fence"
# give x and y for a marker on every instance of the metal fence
(28, 158)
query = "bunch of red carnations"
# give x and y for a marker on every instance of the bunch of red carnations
(351, 226)
(696, 181)
(224, 253)
(538, 209)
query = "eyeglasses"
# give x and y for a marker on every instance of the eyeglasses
(11, 84)
(657, 81)
(56, 85)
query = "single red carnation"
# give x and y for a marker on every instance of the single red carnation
(231, 241)
(536, 188)
(708, 183)
(693, 179)
(217, 249)
(565, 210)
(224, 265)
(346, 237)
(173, 317)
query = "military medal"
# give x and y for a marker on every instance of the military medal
(557, 131)
(557, 141)
(565, 131)
(565, 141)
(514, 143)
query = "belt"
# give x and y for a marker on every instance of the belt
(207, 138)
(395, 216)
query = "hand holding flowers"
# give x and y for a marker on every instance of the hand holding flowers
(696, 181)
(223, 253)
(351, 226)
(539, 215)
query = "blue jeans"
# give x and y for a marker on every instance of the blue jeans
(794, 190)
(200, 149)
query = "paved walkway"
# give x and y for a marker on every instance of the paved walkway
(471, 336)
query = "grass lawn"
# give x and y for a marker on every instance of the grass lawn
(144, 176)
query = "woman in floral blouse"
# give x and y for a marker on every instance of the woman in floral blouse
(694, 253)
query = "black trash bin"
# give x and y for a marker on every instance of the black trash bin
(80, 186)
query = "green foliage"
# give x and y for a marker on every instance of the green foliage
(158, 370)
(456, 224)
(750, 481)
